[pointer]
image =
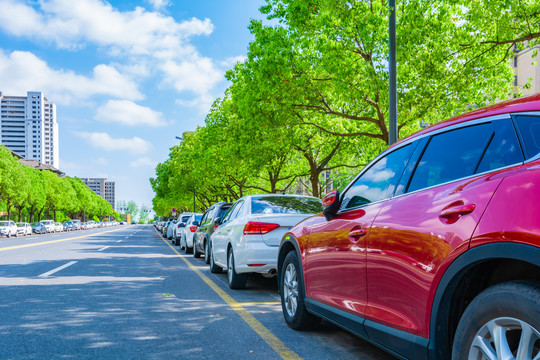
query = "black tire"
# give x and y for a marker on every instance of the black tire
(176, 242)
(214, 269)
(206, 253)
(511, 306)
(236, 281)
(196, 253)
(291, 289)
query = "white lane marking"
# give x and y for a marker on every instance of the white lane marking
(57, 269)
(126, 237)
(119, 241)
(103, 248)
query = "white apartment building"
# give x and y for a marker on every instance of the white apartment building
(28, 127)
(102, 187)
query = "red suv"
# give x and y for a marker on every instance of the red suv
(433, 250)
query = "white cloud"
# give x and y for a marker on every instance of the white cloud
(231, 61)
(22, 71)
(143, 162)
(128, 113)
(159, 4)
(147, 39)
(70, 23)
(104, 141)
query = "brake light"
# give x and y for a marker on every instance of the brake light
(259, 228)
(215, 227)
(193, 228)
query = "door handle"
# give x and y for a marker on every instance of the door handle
(452, 214)
(458, 211)
(357, 234)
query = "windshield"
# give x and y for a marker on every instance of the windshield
(4, 223)
(285, 205)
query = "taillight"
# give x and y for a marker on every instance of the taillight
(259, 228)
(215, 227)
(193, 228)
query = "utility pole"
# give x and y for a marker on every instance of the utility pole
(392, 99)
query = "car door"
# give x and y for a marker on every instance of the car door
(431, 219)
(335, 261)
(223, 234)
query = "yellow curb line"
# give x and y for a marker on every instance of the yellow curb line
(277, 345)
(55, 241)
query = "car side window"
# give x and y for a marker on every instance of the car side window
(228, 214)
(529, 131)
(503, 149)
(237, 209)
(206, 217)
(379, 181)
(460, 153)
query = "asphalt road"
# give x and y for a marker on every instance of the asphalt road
(124, 293)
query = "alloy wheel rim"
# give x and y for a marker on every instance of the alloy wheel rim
(506, 338)
(290, 289)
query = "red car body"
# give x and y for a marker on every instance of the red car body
(400, 271)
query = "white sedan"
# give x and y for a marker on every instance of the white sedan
(247, 241)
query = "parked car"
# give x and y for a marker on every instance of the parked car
(8, 228)
(76, 224)
(39, 228)
(248, 238)
(186, 235)
(179, 227)
(169, 233)
(68, 225)
(209, 223)
(49, 225)
(58, 227)
(23, 228)
(433, 249)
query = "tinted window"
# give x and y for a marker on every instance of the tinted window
(379, 181)
(206, 217)
(503, 149)
(4, 223)
(451, 155)
(222, 211)
(185, 218)
(529, 130)
(285, 205)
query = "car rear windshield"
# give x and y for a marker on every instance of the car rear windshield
(4, 223)
(185, 218)
(222, 211)
(285, 205)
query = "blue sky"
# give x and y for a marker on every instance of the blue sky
(126, 76)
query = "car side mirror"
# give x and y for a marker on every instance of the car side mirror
(218, 221)
(196, 223)
(331, 204)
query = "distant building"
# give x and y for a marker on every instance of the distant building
(527, 70)
(28, 126)
(102, 187)
(40, 166)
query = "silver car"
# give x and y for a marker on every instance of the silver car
(24, 228)
(8, 228)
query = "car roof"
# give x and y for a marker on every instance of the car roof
(524, 104)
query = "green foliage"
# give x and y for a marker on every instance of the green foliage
(35, 193)
(312, 95)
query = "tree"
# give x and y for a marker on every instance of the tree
(13, 182)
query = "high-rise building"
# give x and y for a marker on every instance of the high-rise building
(28, 127)
(102, 187)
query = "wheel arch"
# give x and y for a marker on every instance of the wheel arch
(467, 276)
(288, 244)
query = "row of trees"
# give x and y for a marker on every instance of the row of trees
(32, 194)
(312, 96)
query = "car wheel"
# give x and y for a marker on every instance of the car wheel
(196, 253)
(502, 322)
(9, 234)
(188, 249)
(292, 295)
(16, 234)
(206, 253)
(214, 269)
(236, 281)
